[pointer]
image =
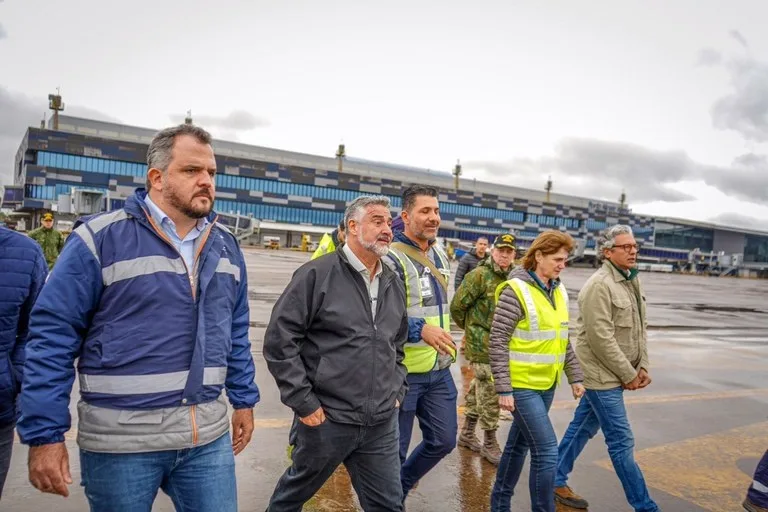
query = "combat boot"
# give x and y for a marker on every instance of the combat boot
(490, 449)
(751, 507)
(467, 438)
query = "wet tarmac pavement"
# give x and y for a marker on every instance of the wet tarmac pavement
(700, 427)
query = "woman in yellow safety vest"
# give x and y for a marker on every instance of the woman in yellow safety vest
(529, 348)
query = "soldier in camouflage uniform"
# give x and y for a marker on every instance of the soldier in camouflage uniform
(472, 309)
(49, 239)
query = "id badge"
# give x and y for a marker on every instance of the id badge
(426, 286)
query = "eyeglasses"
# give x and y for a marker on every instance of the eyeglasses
(627, 247)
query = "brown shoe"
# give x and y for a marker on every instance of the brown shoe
(567, 497)
(751, 507)
(490, 449)
(467, 438)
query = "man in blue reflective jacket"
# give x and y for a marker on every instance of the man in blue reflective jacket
(153, 300)
(22, 273)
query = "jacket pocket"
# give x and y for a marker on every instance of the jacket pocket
(622, 312)
(152, 417)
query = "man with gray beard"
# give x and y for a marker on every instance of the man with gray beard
(334, 345)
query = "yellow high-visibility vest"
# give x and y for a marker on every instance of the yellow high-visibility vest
(420, 357)
(537, 346)
(325, 246)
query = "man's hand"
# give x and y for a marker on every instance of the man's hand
(49, 468)
(634, 385)
(438, 339)
(578, 390)
(397, 403)
(645, 379)
(314, 419)
(507, 402)
(242, 429)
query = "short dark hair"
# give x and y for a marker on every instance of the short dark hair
(483, 237)
(160, 149)
(342, 227)
(411, 193)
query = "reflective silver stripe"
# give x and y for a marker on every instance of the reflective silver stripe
(144, 384)
(565, 295)
(96, 225)
(85, 235)
(223, 227)
(413, 289)
(534, 335)
(423, 311)
(105, 220)
(227, 267)
(146, 265)
(214, 375)
(533, 317)
(759, 487)
(524, 357)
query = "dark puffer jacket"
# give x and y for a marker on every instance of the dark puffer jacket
(23, 270)
(467, 264)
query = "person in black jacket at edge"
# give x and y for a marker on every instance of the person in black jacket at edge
(334, 345)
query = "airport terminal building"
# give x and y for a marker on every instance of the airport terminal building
(86, 166)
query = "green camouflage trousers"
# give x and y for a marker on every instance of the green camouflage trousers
(482, 402)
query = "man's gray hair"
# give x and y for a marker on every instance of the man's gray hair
(608, 237)
(160, 150)
(356, 208)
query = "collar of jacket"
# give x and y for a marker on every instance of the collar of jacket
(136, 207)
(553, 283)
(621, 274)
(386, 273)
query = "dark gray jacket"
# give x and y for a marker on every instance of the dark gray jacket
(323, 347)
(467, 264)
(507, 315)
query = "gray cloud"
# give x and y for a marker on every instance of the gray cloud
(709, 57)
(20, 112)
(738, 220)
(598, 168)
(745, 110)
(736, 35)
(3, 33)
(237, 120)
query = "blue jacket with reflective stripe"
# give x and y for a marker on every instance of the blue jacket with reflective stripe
(147, 333)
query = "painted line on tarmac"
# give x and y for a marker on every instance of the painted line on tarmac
(558, 405)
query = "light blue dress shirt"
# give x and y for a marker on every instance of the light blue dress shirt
(186, 247)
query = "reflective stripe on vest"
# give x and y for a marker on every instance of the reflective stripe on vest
(420, 357)
(144, 384)
(538, 345)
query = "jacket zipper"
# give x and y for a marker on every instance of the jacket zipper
(191, 279)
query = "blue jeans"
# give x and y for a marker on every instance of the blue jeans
(6, 447)
(758, 491)
(200, 479)
(431, 397)
(605, 409)
(368, 452)
(532, 430)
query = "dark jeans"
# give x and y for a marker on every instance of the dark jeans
(200, 479)
(758, 491)
(532, 430)
(431, 397)
(6, 447)
(605, 409)
(369, 454)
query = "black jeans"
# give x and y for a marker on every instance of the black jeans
(6, 447)
(370, 455)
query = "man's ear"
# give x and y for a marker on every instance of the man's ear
(155, 177)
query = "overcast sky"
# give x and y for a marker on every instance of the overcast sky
(665, 100)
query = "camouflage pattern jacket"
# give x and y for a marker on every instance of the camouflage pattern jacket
(473, 305)
(51, 241)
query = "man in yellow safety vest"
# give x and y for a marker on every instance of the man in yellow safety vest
(424, 269)
(330, 242)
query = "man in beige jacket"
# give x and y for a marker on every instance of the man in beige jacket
(611, 344)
